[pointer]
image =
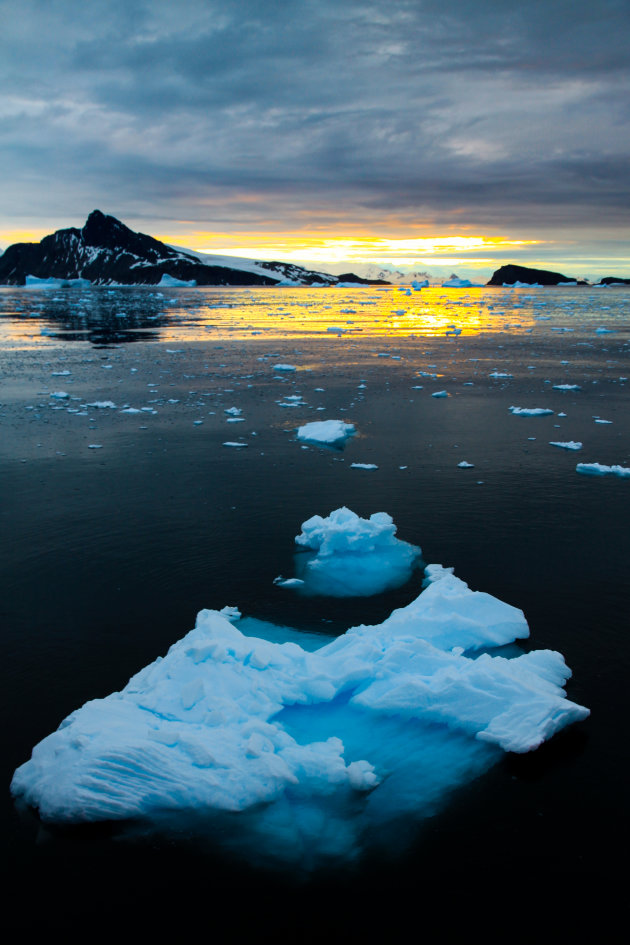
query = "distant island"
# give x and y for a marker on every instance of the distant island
(106, 252)
(522, 275)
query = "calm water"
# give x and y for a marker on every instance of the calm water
(109, 552)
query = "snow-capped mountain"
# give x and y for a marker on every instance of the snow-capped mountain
(105, 252)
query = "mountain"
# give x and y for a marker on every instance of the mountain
(508, 275)
(106, 252)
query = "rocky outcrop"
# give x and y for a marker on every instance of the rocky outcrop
(508, 275)
(107, 252)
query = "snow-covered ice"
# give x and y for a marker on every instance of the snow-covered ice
(363, 466)
(303, 756)
(329, 432)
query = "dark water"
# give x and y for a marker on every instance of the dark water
(109, 553)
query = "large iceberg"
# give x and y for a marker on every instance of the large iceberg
(305, 757)
(352, 556)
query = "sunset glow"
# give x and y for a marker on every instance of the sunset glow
(437, 250)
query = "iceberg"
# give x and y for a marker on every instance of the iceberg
(289, 755)
(352, 556)
(328, 432)
(171, 282)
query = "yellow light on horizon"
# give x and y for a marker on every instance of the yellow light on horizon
(437, 250)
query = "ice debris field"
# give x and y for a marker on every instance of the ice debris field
(293, 755)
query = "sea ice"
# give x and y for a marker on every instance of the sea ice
(569, 445)
(597, 469)
(329, 432)
(289, 754)
(363, 466)
(530, 411)
(352, 556)
(440, 393)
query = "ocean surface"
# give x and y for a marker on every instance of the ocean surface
(123, 514)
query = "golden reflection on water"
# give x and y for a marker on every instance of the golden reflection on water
(367, 311)
(202, 314)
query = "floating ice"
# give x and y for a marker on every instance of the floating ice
(60, 394)
(354, 557)
(284, 367)
(172, 282)
(569, 445)
(306, 757)
(597, 469)
(440, 393)
(465, 465)
(567, 387)
(236, 445)
(329, 432)
(103, 404)
(363, 466)
(530, 411)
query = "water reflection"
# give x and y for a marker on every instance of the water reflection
(103, 315)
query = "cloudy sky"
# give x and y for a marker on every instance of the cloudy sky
(436, 134)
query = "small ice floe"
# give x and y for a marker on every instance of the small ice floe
(530, 411)
(95, 446)
(233, 411)
(284, 367)
(131, 410)
(569, 445)
(440, 393)
(465, 465)
(328, 432)
(604, 331)
(599, 420)
(597, 469)
(353, 556)
(363, 466)
(102, 404)
(287, 582)
(499, 374)
(60, 394)
(61, 373)
(235, 445)
(567, 387)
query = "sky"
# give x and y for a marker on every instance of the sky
(422, 135)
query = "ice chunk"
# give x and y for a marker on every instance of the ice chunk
(363, 466)
(173, 282)
(567, 387)
(569, 445)
(308, 755)
(284, 367)
(329, 432)
(530, 411)
(440, 393)
(465, 465)
(353, 557)
(597, 469)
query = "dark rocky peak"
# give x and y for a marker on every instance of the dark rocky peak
(106, 232)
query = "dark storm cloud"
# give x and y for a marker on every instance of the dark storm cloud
(260, 110)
